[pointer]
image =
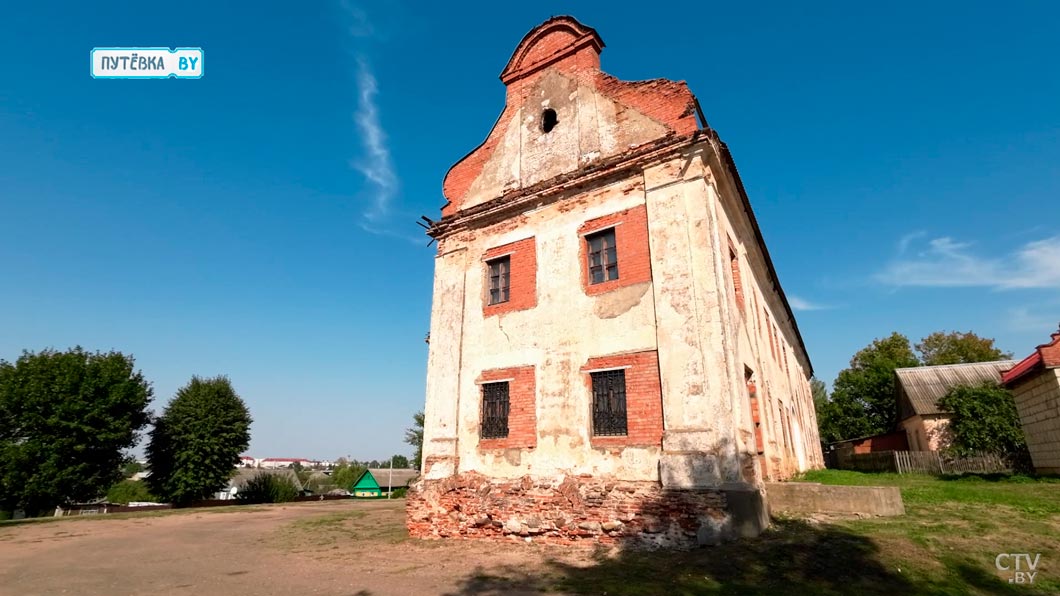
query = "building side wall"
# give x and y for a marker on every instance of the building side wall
(764, 341)
(1038, 403)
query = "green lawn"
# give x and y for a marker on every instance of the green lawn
(945, 544)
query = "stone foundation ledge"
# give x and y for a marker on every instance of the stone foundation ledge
(568, 510)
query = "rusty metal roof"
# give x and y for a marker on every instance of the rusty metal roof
(922, 386)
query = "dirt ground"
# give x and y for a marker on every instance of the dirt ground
(344, 548)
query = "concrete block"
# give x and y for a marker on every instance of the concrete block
(802, 498)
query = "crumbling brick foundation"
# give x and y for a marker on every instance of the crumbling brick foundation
(567, 509)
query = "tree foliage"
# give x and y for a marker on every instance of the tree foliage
(344, 475)
(128, 491)
(131, 467)
(863, 399)
(65, 419)
(399, 461)
(984, 419)
(265, 487)
(197, 440)
(414, 437)
(958, 348)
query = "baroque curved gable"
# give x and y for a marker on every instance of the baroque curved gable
(556, 68)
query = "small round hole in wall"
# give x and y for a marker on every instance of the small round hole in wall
(549, 120)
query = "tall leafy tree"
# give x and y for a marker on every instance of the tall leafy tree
(958, 348)
(399, 461)
(344, 474)
(984, 419)
(196, 442)
(819, 392)
(65, 419)
(414, 437)
(863, 399)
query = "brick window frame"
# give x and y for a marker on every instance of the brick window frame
(522, 407)
(522, 276)
(496, 407)
(737, 282)
(631, 247)
(499, 271)
(644, 424)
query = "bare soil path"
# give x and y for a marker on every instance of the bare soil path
(346, 548)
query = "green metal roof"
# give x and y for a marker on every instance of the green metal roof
(366, 482)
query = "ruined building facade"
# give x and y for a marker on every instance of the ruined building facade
(611, 355)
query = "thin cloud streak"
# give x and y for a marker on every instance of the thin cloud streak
(1024, 319)
(382, 185)
(800, 304)
(945, 262)
(376, 165)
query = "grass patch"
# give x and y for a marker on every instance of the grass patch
(7, 524)
(945, 545)
(342, 531)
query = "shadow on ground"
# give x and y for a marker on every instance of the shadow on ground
(793, 557)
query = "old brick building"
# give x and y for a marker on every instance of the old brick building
(611, 354)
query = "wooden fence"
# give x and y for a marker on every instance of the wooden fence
(922, 462)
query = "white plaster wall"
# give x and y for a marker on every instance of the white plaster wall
(752, 342)
(688, 313)
(558, 336)
(1038, 403)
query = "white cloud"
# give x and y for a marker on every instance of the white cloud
(945, 262)
(375, 163)
(1024, 319)
(797, 303)
(903, 244)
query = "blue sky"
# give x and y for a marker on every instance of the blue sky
(903, 160)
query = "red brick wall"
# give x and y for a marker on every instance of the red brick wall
(737, 282)
(523, 293)
(631, 240)
(578, 509)
(522, 407)
(644, 423)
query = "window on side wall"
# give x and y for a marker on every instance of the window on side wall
(500, 274)
(495, 406)
(609, 403)
(603, 256)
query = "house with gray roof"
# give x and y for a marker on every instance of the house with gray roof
(919, 389)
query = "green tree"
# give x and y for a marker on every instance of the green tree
(414, 437)
(131, 468)
(128, 491)
(399, 461)
(863, 399)
(344, 475)
(819, 392)
(196, 442)
(984, 419)
(65, 420)
(958, 348)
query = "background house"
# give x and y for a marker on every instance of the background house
(1035, 386)
(919, 389)
(243, 475)
(376, 482)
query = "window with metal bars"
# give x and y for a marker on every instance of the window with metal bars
(494, 410)
(500, 279)
(603, 256)
(609, 402)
